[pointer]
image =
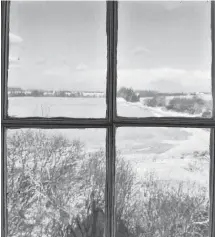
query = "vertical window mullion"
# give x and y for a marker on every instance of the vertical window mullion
(212, 183)
(111, 29)
(212, 140)
(5, 9)
(213, 55)
(114, 57)
(3, 183)
(110, 182)
(5, 15)
(111, 114)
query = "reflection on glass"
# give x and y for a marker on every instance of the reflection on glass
(162, 182)
(55, 182)
(164, 59)
(57, 59)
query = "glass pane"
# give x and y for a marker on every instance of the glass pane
(57, 59)
(56, 182)
(162, 182)
(164, 59)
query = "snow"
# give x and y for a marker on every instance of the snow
(14, 39)
(172, 154)
(168, 155)
(172, 164)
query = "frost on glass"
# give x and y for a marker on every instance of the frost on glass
(55, 183)
(162, 182)
(57, 59)
(164, 59)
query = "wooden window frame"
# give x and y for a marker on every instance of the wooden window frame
(110, 123)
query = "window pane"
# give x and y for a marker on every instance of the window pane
(57, 59)
(164, 59)
(162, 182)
(56, 182)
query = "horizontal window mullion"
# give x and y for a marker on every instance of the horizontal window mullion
(164, 121)
(55, 123)
(119, 122)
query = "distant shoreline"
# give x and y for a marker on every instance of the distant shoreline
(127, 93)
(46, 96)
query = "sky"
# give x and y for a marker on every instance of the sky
(163, 46)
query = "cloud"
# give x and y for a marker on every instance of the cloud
(57, 71)
(169, 85)
(166, 79)
(60, 79)
(15, 39)
(82, 67)
(140, 50)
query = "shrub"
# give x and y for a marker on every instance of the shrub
(207, 114)
(156, 101)
(56, 189)
(194, 105)
(128, 94)
(167, 209)
(44, 184)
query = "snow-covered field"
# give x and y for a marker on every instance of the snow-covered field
(167, 165)
(166, 151)
(57, 107)
(138, 109)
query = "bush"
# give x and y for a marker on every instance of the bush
(168, 209)
(128, 94)
(44, 184)
(194, 105)
(156, 101)
(207, 114)
(56, 189)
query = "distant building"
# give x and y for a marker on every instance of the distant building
(68, 93)
(27, 92)
(93, 94)
(15, 91)
(49, 93)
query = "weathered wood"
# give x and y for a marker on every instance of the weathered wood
(212, 137)
(5, 8)
(212, 183)
(99, 123)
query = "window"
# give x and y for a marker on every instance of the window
(108, 119)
